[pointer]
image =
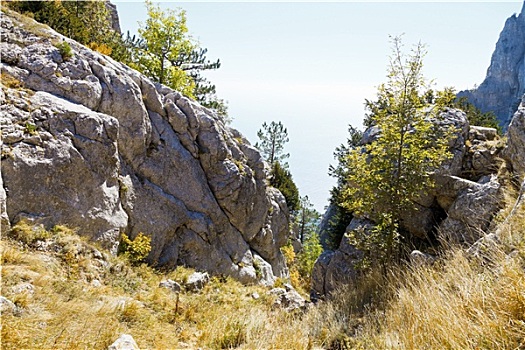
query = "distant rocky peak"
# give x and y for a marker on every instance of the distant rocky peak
(504, 85)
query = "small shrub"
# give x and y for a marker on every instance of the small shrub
(135, 250)
(28, 233)
(101, 48)
(65, 50)
(31, 129)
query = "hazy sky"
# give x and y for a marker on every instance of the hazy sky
(312, 64)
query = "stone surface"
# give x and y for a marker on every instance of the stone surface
(288, 299)
(7, 306)
(418, 258)
(318, 288)
(91, 143)
(514, 152)
(470, 214)
(124, 342)
(504, 84)
(171, 285)
(113, 16)
(197, 281)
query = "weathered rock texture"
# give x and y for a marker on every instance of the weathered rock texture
(91, 143)
(458, 209)
(514, 152)
(504, 84)
(113, 16)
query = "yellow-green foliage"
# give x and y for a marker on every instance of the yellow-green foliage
(65, 50)
(135, 250)
(102, 48)
(27, 233)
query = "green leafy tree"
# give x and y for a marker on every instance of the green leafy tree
(307, 224)
(272, 138)
(281, 179)
(164, 42)
(385, 176)
(165, 52)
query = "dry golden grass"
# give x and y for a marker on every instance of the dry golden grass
(460, 302)
(67, 312)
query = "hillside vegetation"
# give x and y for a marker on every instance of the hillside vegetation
(70, 294)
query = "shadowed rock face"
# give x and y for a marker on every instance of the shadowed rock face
(504, 84)
(91, 143)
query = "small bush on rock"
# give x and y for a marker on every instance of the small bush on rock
(135, 250)
(65, 50)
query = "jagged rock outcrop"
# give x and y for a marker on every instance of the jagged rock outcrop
(504, 84)
(458, 209)
(470, 214)
(91, 143)
(514, 152)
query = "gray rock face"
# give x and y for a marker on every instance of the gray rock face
(504, 84)
(333, 269)
(91, 143)
(318, 288)
(288, 298)
(471, 213)
(514, 152)
(124, 342)
(113, 16)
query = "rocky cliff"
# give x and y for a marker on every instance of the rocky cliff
(504, 84)
(91, 143)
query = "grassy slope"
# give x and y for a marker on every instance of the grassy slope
(67, 311)
(458, 303)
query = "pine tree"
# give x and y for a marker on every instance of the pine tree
(273, 137)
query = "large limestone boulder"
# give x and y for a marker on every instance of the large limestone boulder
(91, 143)
(514, 152)
(334, 269)
(470, 214)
